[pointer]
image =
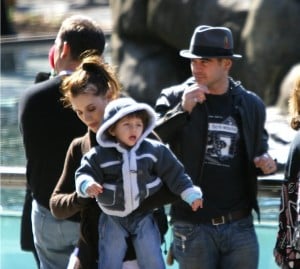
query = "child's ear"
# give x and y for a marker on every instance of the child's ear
(111, 131)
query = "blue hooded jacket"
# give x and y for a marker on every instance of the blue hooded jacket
(129, 176)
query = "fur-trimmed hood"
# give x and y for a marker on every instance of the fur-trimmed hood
(118, 109)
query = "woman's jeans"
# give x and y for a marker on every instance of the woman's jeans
(207, 246)
(145, 236)
(54, 239)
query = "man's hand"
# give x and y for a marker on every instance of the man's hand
(266, 163)
(192, 95)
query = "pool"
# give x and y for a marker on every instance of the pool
(11, 256)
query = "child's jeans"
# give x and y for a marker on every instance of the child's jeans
(145, 237)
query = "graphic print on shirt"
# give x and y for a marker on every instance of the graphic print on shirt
(222, 141)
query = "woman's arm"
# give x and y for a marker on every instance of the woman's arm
(64, 202)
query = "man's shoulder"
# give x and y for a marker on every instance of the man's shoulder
(40, 97)
(239, 89)
(44, 86)
(178, 88)
(42, 76)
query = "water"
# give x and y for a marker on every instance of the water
(11, 200)
(10, 211)
(13, 84)
(11, 255)
(28, 62)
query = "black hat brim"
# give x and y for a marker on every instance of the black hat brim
(188, 54)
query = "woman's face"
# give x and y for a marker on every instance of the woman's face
(90, 109)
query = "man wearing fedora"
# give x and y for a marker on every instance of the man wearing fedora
(216, 128)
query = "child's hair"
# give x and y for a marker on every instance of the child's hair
(294, 105)
(140, 114)
(92, 76)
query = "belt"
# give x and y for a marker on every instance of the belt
(227, 218)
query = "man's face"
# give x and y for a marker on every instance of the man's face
(208, 71)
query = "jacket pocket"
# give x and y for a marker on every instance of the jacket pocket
(108, 197)
(153, 186)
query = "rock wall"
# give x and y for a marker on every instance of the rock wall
(148, 34)
(271, 39)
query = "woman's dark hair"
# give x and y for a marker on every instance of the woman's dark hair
(92, 76)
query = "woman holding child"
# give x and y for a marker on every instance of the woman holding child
(87, 91)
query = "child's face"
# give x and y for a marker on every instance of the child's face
(128, 130)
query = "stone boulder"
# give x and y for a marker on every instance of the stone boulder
(147, 36)
(270, 41)
(286, 87)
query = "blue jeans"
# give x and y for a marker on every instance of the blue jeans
(206, 246)
(54, 239)
(145, 237)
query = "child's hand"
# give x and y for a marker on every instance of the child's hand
(94, 190)
(197, 204)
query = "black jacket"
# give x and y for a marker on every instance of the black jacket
(180, 130)
(48, 129)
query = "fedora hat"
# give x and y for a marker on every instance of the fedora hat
(210, 42)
